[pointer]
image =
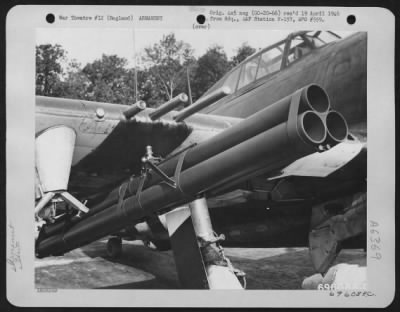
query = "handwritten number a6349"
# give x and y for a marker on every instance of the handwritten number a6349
(375, 240)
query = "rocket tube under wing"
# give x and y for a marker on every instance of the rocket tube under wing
(311, 97)
(337, 129)
(299, 139)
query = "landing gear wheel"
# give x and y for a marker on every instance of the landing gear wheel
(114, 247)
(162, 245)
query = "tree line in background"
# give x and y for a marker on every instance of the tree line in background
(165, 69)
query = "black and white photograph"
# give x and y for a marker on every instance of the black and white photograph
(201, 158)
(270, 133)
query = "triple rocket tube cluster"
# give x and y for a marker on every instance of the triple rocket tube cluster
(293, 127)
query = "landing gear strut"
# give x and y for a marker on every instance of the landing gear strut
(199, 258)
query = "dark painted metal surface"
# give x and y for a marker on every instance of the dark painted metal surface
(188, 258)
(123, 148)
(108, 149)
(197, 179)
(266, 119)
(339, 67)
(258, 224)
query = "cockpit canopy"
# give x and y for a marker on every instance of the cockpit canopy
(274, 58)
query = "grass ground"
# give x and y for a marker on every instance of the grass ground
(142, 268)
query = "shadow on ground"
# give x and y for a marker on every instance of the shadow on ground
(142, 268)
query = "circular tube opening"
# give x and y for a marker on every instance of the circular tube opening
(141, 104)
(313, 127)
(336, 126)
(183, 97)
(317, 98)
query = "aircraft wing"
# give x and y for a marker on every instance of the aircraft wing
(322, 165)
(109, 146)
(311, 178)
(119, 155)
(191, 155)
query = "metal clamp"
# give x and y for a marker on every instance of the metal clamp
(208, 241)
(178, 170)
(293, 114)
(122, 192)
(149, 161)
(139, 190)
(162, 175)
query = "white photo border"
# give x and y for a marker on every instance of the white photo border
(21, 25)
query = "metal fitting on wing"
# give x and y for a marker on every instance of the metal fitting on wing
(202, 103)
(134, 109)
(168, 106)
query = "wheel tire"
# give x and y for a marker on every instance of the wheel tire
(162, 245)
(114, 247)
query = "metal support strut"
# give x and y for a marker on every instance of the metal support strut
(220, 272)
(200, 260)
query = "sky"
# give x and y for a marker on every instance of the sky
(88, 44)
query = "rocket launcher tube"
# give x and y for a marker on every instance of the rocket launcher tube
(337, 129)
(312, 130)
(315, 98)
(311, 97)
(192, 181)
